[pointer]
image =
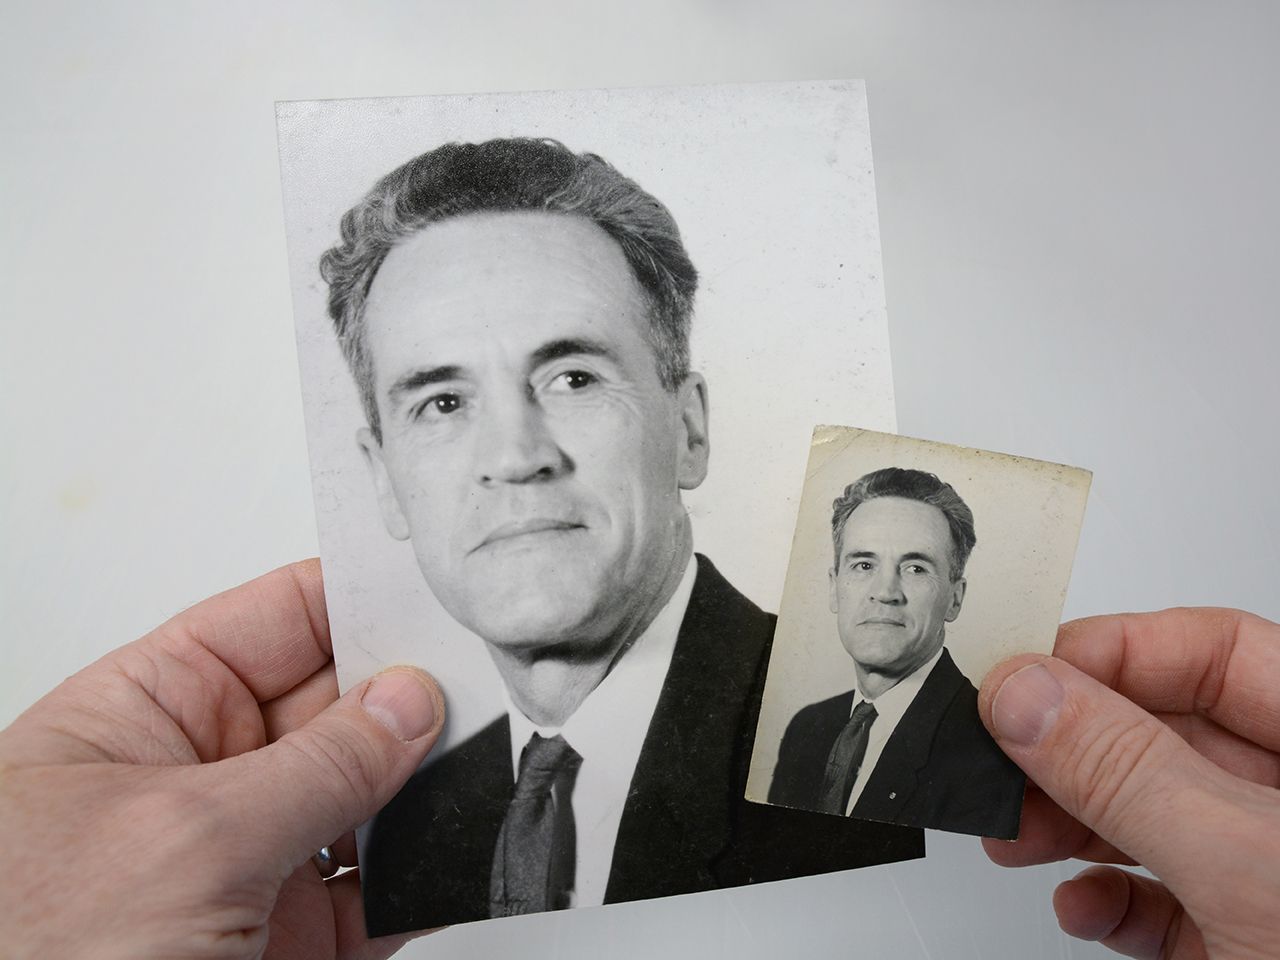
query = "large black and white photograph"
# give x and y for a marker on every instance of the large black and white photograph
(916, 567)
(561, 356)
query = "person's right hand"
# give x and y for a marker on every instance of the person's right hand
(166, 801)
(1153, 739)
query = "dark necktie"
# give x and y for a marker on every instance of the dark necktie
(845, 758)
(533, 864)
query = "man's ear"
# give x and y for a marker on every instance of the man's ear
(831, 591)
(695, 438)
(957, 598)
(392, 516)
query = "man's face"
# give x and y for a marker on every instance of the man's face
(891, 590)
(529, 450)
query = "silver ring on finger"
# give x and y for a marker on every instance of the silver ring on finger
(326, 862)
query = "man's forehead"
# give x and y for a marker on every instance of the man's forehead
(895, 522)
(505, 246)
(527, 275)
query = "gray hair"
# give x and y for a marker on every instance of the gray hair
(513, 174)
(910, 485)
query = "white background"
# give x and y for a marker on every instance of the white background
(772, 187)
(1078, 206)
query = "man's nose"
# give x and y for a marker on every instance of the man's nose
(514, 443)
(887, 587)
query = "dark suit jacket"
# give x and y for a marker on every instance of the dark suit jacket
(939, 769)
(685, 826)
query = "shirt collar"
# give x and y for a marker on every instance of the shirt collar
(609, 726)
(893, 703)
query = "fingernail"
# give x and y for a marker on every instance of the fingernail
(401, 702)
(1026, 705)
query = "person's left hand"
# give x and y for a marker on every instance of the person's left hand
(168, 799)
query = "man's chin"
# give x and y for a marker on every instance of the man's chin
(537, 627)
(541, 612)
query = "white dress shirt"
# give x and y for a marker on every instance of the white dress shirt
(890, 706)
(607, 731)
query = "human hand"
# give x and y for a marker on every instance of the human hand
(167, 800)
(1154, 739)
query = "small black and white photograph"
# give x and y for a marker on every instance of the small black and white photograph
(916, 567)
(561, 358)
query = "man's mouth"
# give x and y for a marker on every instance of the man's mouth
(886, 621)
(517, 529)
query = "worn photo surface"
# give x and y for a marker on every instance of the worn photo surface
(916, 567)
(561, 355)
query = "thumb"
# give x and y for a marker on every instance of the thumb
(321, 780)
(1104, 760)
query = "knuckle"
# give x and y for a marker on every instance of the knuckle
(1107, 771)
(345, 766)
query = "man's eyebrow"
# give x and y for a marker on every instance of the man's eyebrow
(859, 555)
(905, 558)
(415, 380)
(570, 347)
(918, 555)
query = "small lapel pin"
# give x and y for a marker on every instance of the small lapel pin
(893, 795)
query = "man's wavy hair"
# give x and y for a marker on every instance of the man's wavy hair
(910, 485)
(510, 175)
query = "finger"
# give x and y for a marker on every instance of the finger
(188, 691)
(1132, 915)
(1049, 834)
(297, 707)
(208, 668)
(272, 632)
(1228, 750)
(1209, 661)
(320, 781)
(1106, 762)
(344, 849)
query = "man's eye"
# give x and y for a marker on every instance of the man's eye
(442, 404)
(575, 379)
(862, 566)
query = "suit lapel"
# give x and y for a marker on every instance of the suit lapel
(468, 826)
(449, 813)
(677, 820)
(896, 776)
